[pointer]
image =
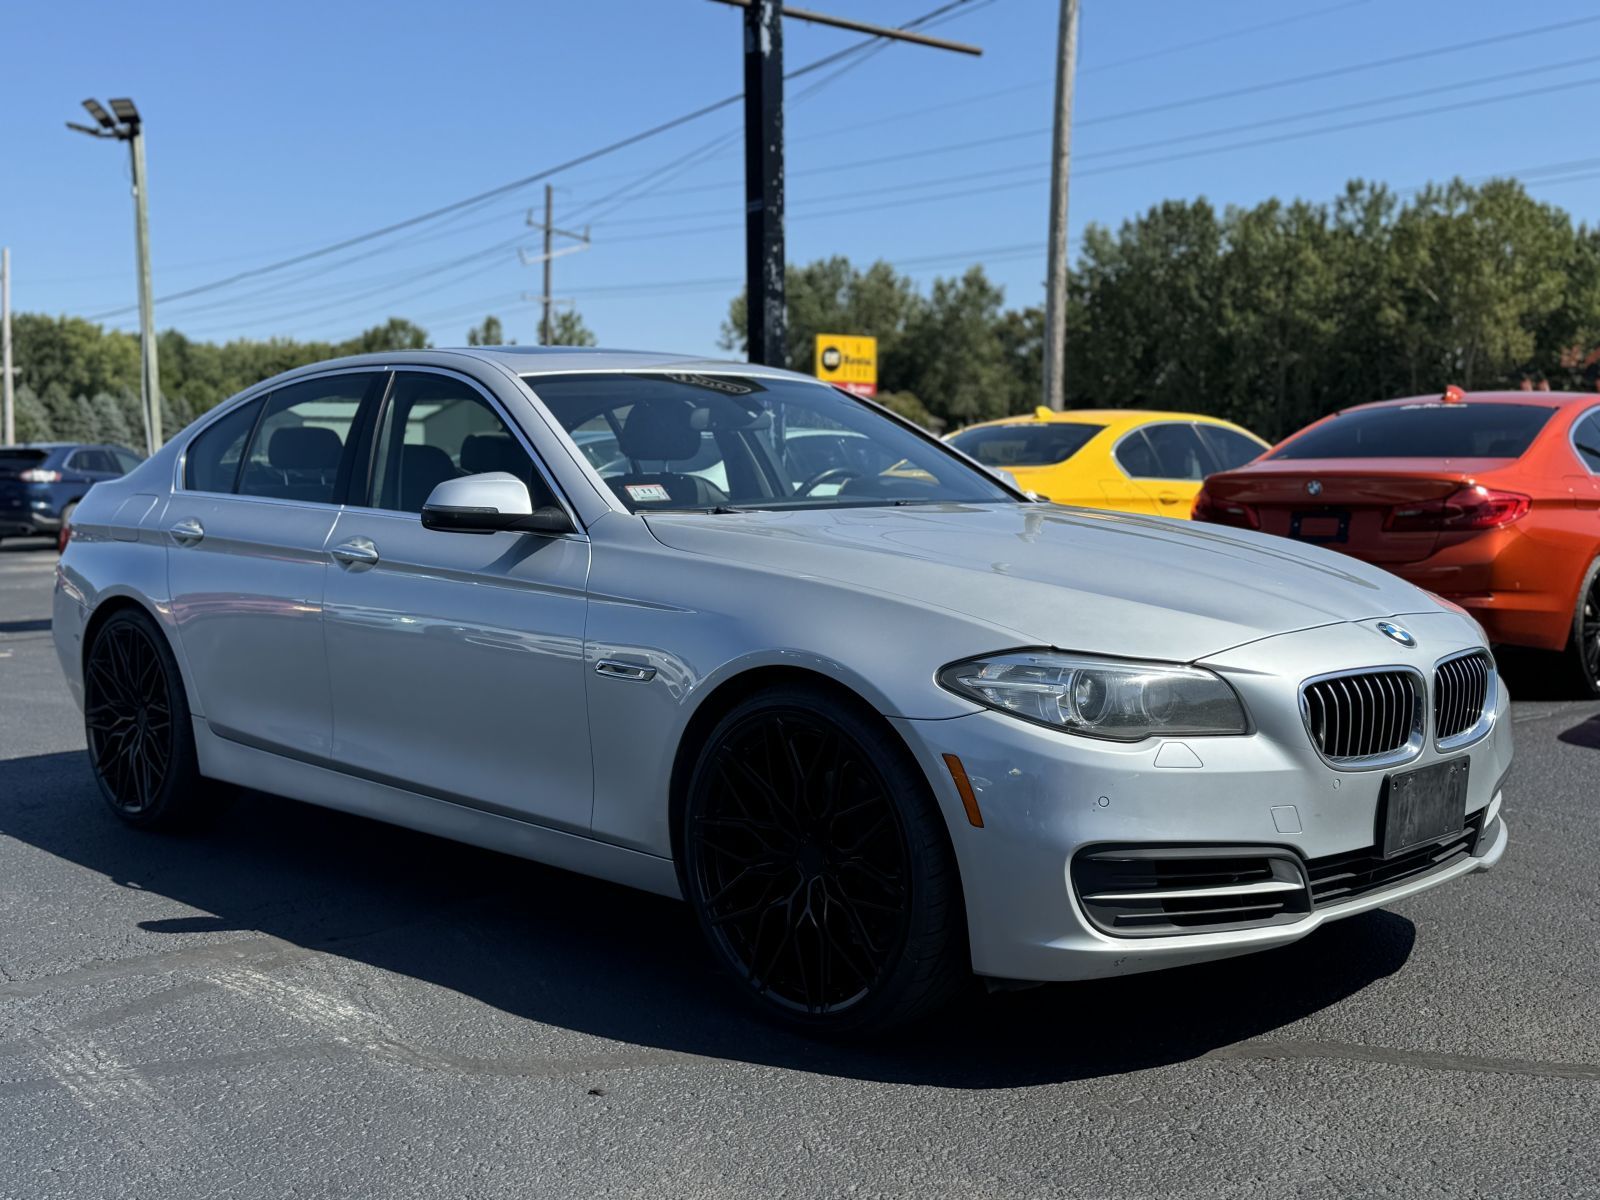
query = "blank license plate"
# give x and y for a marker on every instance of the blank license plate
(1423, 806)
(1320, 527)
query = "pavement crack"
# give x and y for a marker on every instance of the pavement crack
(1427, 1060)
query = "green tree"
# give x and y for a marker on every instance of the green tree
(952, 355)
(490, 333)
(32, 418)
(567, 329)
(110, 425)
(832, 296)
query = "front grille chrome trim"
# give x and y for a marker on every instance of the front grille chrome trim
(1456, 678)
(1375, 699)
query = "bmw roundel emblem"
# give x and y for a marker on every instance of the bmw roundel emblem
(1314, 488)
(1397, 633)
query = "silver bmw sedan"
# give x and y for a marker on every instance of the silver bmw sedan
(725, 633)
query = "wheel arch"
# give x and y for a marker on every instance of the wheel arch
(124, 601)
(728, 694)
(110, 607)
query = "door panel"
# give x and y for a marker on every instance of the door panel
(456, 665)
(456, 658)
(246, 580)
(246, 572)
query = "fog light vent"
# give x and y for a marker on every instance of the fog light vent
(1157, 891)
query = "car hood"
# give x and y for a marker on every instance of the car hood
(1073, 578)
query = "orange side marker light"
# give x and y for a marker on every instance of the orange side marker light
(964, 787)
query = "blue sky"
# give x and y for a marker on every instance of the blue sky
(276, 129)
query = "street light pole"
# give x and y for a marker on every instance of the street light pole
(127, 126)
(149, 377)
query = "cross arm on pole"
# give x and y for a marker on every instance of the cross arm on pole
(883, 31)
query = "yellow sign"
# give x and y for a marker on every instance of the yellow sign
(848, 361)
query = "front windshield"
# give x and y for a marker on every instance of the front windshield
(686, 441)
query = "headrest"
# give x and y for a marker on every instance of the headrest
(660, 430)
(304, 448)
(482, 452)
(422, 468)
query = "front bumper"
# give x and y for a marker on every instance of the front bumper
(1045, 796)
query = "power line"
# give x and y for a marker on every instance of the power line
(858, 54)
(1255, 89)
(986, 171)
(518, 184)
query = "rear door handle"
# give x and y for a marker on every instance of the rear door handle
(357, 552)
(187, 531)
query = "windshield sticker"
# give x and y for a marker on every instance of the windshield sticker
(646, 493)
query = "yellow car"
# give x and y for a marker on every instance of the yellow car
(1117, 458)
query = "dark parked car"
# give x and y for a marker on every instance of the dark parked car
(41, 483)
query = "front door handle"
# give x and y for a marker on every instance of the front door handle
(187, 532)
(633, 672)
(1170, 498)
(357, 552)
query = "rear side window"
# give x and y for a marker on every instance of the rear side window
(1229, 448)
(127, 460)
(1024, 445)
(1586, 440)
(1424, 431)
(212, 461)
(1166, 451)
(300, 442)
(93, 460)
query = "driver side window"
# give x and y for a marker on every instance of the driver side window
(436, 428)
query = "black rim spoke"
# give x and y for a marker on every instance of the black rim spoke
(128, 716)
(801, 857)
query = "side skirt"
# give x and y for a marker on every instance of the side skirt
(233, 762)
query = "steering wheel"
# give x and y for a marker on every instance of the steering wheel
(827, 475)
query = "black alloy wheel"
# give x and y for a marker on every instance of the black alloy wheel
(819, 866)
(1584, 648)
(136, 718)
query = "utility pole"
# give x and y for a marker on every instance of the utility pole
(549, 234)
(127, 126)
(763, 183)
(763, 161)
(1055, 305)
(547, 329)
(8, 435)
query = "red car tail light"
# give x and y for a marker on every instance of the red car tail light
(1469, 510)
(1223, 512)
(39, 475)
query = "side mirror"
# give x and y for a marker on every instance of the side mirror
(493, 502)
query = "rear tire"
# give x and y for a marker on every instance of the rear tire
(1583, 646)
(136, 718)
(819, 866)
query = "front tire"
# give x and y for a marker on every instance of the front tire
(819, 866)
(136, 718)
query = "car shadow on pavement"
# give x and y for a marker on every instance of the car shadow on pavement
(607, 961)
(1584, 733)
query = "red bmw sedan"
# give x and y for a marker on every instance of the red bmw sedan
(1489, 499)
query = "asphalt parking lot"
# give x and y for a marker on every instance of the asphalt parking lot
(298, 1003)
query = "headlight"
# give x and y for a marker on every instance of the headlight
(1100, 697)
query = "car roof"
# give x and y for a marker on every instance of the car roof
(1536, 399)
(1102, 416)
(553, 360)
